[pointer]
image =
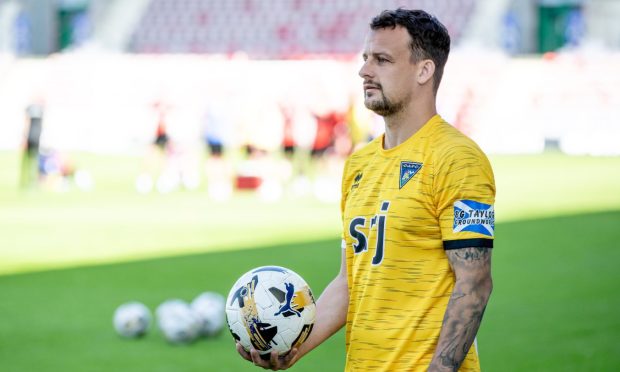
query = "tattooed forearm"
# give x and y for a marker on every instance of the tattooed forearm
(465, 307)
(471, 254)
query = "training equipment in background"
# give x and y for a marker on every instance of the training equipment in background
(210, 307)
(270, 308)
(132, 319)
(177, 321)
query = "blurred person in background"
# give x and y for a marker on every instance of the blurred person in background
(158, 151)
(161, 134)
(418, 219)
(332, 145)
(216, 128)
(299, 135)
(56, 170)
(29, 176)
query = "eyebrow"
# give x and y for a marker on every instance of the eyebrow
(378, 54)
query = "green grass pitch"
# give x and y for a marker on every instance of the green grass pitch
(68, 260)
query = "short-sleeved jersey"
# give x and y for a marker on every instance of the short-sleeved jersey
(402, 208)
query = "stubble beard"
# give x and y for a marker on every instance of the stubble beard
(383, 107)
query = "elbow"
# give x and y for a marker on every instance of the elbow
(486, 288)
(482, 288)
(478, 286)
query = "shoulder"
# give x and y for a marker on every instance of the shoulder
(451, 145)
(445, 137)
(461, 169)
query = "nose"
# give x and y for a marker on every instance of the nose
(364, 71)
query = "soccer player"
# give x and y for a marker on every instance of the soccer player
(418, 219)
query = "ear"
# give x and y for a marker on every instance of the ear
(426, 70)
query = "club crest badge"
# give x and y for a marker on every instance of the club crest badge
(408, 169)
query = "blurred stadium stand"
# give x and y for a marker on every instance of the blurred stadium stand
(274, 28)
(292, 28)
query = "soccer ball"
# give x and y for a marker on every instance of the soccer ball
(177, 321)
(132, 319)
(270, 308)
(210, 307)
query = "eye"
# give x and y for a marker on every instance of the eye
(381, 60)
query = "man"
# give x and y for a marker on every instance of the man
(418, 220)
(30, 157)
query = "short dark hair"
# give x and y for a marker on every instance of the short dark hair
(429, 38)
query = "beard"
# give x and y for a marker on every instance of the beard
(382, 106)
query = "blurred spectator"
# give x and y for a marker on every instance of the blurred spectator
(216, 135)
(161, 135)
(157, 153)
(56, 170)
(300, 130)
(325, 132)
(288, 141)
(30, 158)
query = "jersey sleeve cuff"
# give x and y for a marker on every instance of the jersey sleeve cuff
(466, 243)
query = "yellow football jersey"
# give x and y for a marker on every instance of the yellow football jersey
(401, 209)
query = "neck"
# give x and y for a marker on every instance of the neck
(405, 123)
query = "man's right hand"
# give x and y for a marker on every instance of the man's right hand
(274, 363)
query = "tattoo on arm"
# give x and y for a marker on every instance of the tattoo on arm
(472, 268)
(467, 255)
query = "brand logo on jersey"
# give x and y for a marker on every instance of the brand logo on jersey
(408, 169)
(470, 215)
(356, 181)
